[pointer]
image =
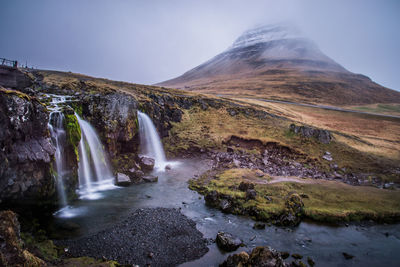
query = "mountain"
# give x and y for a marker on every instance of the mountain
(279, 62)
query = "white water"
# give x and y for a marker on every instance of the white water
(95, 173)
(150, 142)
(58, 136)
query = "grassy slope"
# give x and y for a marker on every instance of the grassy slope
(210, 128)
(371, 134)
(369, 144)
(323, 200)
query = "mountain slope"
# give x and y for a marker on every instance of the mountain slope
(277, 62)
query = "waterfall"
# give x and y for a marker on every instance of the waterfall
(94, 169)
(58, 136)
(57, 132)
(150, 142)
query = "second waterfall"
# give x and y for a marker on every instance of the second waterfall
(94, 169)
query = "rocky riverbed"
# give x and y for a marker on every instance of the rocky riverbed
(158, 237)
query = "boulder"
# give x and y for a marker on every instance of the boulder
(294, 210)
(225, 205)
(212, 199)
(146, 164)
(266, 257)
(136, 176)
(150, 179)
(259, 226)
(251, 194)
(168, 167)
(236, 260)
(122, 180)
(227, 241)
(12, 252)
(244, 186)
(259, 257)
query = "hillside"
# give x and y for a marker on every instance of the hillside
(278, 62)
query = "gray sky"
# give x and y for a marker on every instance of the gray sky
(152, 41)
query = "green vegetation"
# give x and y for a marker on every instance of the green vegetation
(380, 108)
(73, 131)
(326, 201)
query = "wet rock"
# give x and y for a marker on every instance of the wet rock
(168, 167)
(266, 256)
(244, 186)
(259, 257)
(150, 179)
(251, 194)
(225, 205)
(297, 256)
(146, 164)
(212, 199)
(310, 262)
(227, 241)
(285, 254)
(347, 256)
(12, 252)
(259, 226)
(122, 180)
(236, 260)
(298, 263)
(323, 136)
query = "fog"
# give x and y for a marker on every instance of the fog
(152, 41)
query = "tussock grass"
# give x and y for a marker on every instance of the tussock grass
(326, 201)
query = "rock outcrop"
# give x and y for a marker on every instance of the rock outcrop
(323, 136)
(115, 118)
(26, 150)
(12, 252)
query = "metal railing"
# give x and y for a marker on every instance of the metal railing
(10, 63)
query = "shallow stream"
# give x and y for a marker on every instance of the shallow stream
(377, 245)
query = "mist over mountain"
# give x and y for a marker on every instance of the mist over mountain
(279, 62)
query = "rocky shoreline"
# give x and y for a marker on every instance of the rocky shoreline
(151, 236)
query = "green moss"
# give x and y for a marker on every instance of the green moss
(77, 106)
(73, 131)
(326, 201)
(16, 93)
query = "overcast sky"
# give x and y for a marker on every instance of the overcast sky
(152, 41)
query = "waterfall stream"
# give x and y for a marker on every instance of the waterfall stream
(94, 169)
(150, 142)
(58, 136)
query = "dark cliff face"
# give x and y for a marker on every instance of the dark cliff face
(115, 118)
(13, 78)
(26, 152)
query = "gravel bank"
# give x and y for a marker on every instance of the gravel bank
(155, 236)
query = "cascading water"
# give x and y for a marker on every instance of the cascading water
(94, 169)
(58, 135)
(150, 142)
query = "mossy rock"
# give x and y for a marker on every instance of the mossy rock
(73, 131)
